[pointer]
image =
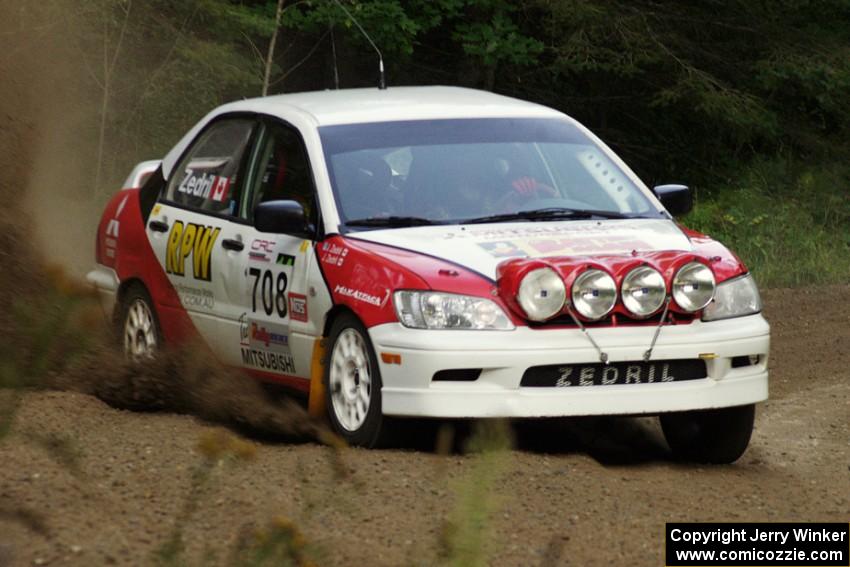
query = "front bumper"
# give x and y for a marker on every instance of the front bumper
(408, 389)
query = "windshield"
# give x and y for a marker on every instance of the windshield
(453, 171)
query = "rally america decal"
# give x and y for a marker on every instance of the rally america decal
(193, 240)
(265, 346)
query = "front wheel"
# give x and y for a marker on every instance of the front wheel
(353, 383)
(717, 436)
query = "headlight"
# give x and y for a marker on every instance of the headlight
(734, 298)
(693, 286)
(434, 310)
(594, 294)
(542, 294)
(644, 291)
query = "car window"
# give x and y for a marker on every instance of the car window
(208, 176)
(451, 170)
(281, 171)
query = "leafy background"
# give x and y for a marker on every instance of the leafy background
(748, 102)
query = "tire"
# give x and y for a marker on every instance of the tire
(138, 325)
(717, 436)
(353, 384)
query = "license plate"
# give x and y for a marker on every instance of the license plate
(566, 375)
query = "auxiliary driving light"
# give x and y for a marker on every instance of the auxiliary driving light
(594, 294)
(542, 294)
(694, 287)
(643, 291)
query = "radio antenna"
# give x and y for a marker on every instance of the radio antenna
(382, 80)
(336, 68)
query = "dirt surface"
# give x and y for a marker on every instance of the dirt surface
(579, 492)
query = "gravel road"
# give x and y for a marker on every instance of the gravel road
(572, 492)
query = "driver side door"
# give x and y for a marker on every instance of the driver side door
(276, 338)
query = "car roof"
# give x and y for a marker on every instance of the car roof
(350, 106)
(354, 106)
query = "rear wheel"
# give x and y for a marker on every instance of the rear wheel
(141, 337)
(353, 383)
(709, 436)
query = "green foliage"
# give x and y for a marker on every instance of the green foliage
(790, 223)
(465, 539)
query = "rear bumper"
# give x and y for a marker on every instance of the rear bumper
(503, 357)
(105, 281)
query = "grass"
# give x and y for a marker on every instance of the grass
(789, 222)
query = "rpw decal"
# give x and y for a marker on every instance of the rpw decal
(191, 240)
(206, 185)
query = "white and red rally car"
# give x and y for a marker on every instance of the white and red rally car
(436, 252)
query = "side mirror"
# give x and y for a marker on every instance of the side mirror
(677, 199)
(282, 217)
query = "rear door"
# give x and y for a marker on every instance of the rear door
(197, 232)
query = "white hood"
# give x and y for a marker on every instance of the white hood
(483, 247)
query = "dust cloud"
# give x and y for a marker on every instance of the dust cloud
(48, 217)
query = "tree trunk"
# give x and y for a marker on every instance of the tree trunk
(272, 44)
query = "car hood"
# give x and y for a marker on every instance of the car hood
(482, 248)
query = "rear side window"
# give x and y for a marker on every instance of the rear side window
(208, 176)
(282, 171)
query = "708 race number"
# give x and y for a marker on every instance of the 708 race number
(272, 291)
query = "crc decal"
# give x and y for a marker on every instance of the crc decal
(195, 298)
(261, 250)
(193, 240)
(298, 307)
(271, 291)
(362, 296)
(285, 260)
(205, 185)
(265, 360)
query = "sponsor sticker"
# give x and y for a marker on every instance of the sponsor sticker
(334, 254)
(205, 185)
(298, 307)
(285, 260)
(113, 228)
(269, 361)
(263, 335)
(261, 250)
(192, 297)
(358, 295)
(193, 240)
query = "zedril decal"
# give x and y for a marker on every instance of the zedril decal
(193, 240)
(206, 186)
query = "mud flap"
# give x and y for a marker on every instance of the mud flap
(316, 400)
